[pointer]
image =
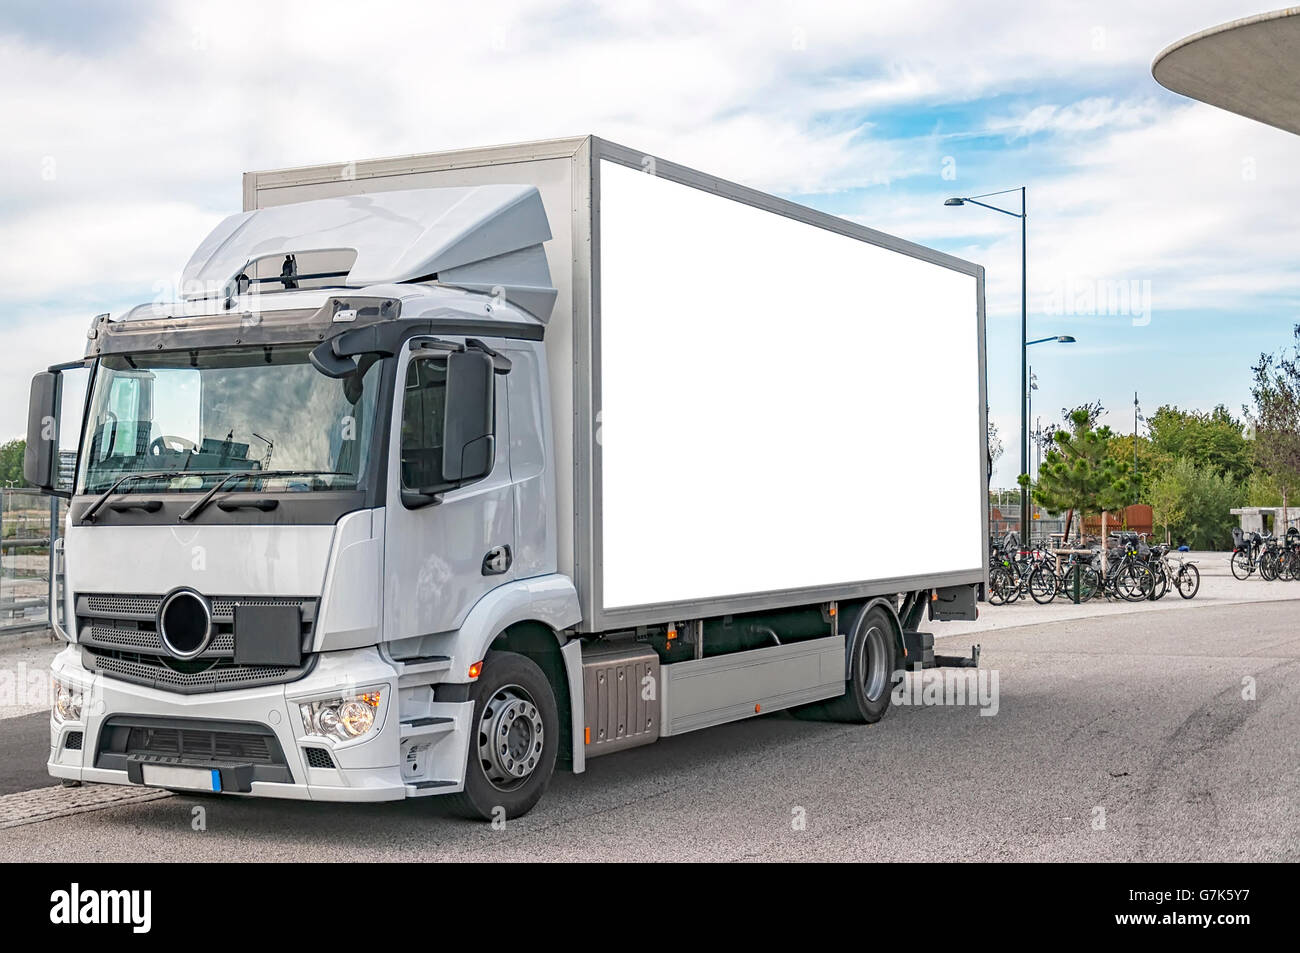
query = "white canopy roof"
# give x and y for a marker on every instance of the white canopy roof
(1250, 67)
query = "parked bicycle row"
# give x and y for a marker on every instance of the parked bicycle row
(1132, 571)
(1271, 556)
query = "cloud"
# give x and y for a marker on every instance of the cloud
(129, 127)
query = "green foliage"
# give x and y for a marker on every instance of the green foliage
(1168, 498)
(1276, 418)
(1215, 440)
(1262, 490)
(1079, 473)
(1150, 463)
(11, 463)
(1192, 504)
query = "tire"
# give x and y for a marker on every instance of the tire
(1240, 564)
(1135, 582)
(1161, 584)
(1000, 586)
(1189, 581)
(1088, 582)
(1042, 585)
(872, 662)
(1267, 567)
(514, 709)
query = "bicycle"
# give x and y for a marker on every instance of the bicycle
(1186, 578)
(1270, 561)
(1077, 576)
(1012, 570)
(1245, 553)
(1127, 575)
(1173, 571)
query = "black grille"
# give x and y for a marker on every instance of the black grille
(200, 744)
(199, 675)
(73, 741)
(120, 638)
(191, 741)
(128, 622)
(318, 758)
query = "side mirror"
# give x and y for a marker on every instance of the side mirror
(469, 439)
(41, 457)
(468, 427)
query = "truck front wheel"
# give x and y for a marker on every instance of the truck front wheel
(516, 737)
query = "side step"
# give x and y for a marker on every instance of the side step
(427, 788)
(424, 728)
(424, 671)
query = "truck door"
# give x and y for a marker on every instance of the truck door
(441, 558)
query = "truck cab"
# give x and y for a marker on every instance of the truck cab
(290, 495)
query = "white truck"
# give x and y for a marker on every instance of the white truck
(447, 468)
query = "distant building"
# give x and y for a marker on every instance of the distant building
(1265, 519)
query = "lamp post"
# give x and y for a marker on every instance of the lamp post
(1023, 215)
(1029, 415)
(1033, 386)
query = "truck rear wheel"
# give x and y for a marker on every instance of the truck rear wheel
(872, 659)
(516, 737)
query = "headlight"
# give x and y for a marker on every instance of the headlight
(67, 702)
(342, 719)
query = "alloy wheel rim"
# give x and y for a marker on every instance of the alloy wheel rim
(511, 738)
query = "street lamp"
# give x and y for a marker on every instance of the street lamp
(1033, 384)
(1023, 215)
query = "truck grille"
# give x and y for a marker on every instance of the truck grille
(201, 675)
(119, 637)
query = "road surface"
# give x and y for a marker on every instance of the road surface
(1154, 735)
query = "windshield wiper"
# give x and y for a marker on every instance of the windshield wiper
(89, 514)
(201, 504)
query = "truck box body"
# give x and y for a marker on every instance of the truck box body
(755, 405)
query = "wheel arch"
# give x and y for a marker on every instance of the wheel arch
(856, 611)
(561, 662)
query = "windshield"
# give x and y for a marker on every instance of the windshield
(200, 416)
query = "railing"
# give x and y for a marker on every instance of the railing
(1005, 519)
(28, 524)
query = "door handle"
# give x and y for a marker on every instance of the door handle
(497, 561)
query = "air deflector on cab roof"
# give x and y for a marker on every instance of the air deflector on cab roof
(479, 238)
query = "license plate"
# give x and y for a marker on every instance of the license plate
(188, 779)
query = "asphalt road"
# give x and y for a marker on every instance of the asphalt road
(1125, 737)
(24, 749)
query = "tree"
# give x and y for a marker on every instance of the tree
(11, 463)
(1215, 440)
(995, 443)
(1262, 491)
(1168, 498)
(1079, 473)
(1276, 419)
(1151, 463)
(1194, 504)
(1094, 411)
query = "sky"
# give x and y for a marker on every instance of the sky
(1162, 232)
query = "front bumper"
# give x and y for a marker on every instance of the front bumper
(417, 747)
